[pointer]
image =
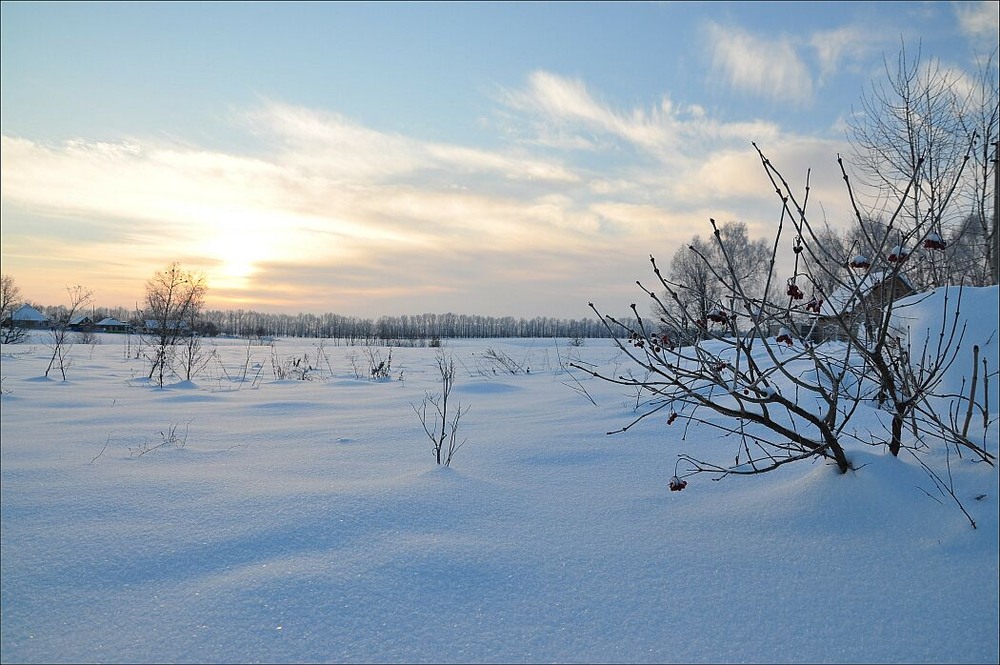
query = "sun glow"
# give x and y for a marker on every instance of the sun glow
(235, 275)
(239, 244)
(232, 243)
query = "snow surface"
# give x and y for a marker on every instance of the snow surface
(936, 320)
(305, 521)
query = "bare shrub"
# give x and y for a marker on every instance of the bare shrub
(439, 420)
(379, 368)
(62, 341)
(88, 337)
(503, 361)
(167, 438)
(354, 358)
(755, 372)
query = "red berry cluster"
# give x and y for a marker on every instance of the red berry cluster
(672, 417)
(719, 316)
(794, 291)
(814, 305)
(897, 255)
(860, 263)
(676, 484)
(784, 337)
(934, 241)
(656, 343)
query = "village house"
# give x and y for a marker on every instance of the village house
(112, 325)
(27, 316)
(854, 305)
(81, 323)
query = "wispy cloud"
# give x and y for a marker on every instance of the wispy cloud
(979, 20)
(565, 115)
(327, 144)
(847, 45)
(347, 218)
(559, 105)
(770, 68)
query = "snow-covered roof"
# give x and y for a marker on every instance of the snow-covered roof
(28, 313)
(80, 319)
(848, 297)
(110, 322)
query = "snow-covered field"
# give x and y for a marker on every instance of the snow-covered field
(303, 521)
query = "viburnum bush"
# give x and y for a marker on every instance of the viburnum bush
(783, 378)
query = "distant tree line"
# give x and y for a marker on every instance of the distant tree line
(360, 330)
(389, 329)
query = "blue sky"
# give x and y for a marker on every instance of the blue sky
(389, 158)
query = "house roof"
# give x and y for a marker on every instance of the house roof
(28, 313)
(80, 319)
(845, 299)
(110, 321)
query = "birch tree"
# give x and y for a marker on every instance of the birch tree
(174, 299)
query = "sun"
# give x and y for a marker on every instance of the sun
(236, 257)
(238, 244)
(236, 272)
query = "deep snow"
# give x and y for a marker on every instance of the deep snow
(306, 521)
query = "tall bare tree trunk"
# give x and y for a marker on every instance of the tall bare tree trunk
(996, 213)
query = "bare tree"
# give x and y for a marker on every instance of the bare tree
(700, 294)
(440, 422)
(966, 249)
(10, 297)
(915, 134)
(697, 289)
(62, 342)
(983, 120)
(193, 355)
(174, 298)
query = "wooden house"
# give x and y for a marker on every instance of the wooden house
(27, 316)
(860, 303)
(81, 323)
(112, 325)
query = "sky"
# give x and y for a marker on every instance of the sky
(514, 159)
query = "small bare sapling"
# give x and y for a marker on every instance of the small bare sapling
(440, 424)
